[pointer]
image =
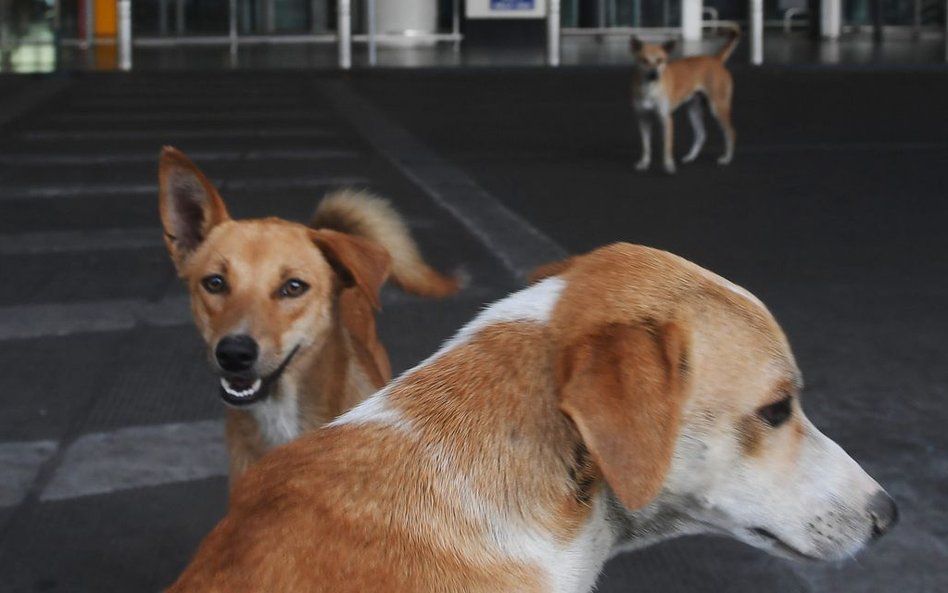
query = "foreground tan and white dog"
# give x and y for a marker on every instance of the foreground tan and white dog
(629, 396)
(288, 311)
(659, 87)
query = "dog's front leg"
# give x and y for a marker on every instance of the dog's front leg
(665, 117)
(645, 130)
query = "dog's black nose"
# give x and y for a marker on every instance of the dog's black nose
(236, 353)
(651, 75)
(884, 513)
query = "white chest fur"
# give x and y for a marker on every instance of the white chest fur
(278, 417)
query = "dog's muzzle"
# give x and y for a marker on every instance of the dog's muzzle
(245, 388)
(651, 75)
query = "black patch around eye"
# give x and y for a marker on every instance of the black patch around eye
(777, 413)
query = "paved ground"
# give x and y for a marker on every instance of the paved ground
(111, 465)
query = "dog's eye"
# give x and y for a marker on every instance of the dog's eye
(214, 284)
(293, 288)
(777, 413)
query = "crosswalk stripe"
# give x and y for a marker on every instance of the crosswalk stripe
(19, 464)
(137, 457)
(81, 190)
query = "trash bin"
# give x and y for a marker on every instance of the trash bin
(404, 21)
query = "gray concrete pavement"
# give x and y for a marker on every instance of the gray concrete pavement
(833, 213)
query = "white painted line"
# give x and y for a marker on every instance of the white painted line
(23, 322)
(138, 457)
(518, 245)
(75, 241)
(19, 464)
(19, 322)
(82, 190)
(238, 115)
(110, 158)
(169, 136)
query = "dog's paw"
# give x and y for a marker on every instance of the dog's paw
(669, 167)
(725, 159)
(642, 165)
(689, 158)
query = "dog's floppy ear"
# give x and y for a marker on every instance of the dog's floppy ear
(669, 46)
(358, 262)
(554, 268)
(623, 388)
(635, 44)
(189, 203)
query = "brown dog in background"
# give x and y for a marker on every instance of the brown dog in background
(288, 311)
(659, 87)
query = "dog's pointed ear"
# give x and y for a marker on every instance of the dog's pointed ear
(669, 46)
(623, 388)
(554, 268)
(357, 261)
(189, 203)
(635, 45)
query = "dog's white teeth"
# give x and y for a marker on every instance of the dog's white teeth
(241, 393)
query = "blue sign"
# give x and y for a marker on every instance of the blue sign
(512, 4)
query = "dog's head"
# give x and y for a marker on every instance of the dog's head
(262, 291)
(686, 393)
(651, 59)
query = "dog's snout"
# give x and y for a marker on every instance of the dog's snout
(651, 75)
(884, 513)
(236, 353)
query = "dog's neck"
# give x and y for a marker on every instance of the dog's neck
(484, 411)
(310, 392)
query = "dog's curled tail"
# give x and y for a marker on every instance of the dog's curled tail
(734, 33)
(373, 218)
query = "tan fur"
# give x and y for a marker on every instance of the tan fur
(338, 359)
(678, 82)
(487, 468)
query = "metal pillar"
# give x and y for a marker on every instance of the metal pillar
(163, 17)
(691, 14)
(344, 32)
(553, 33)
(370, 28)
(456, 23)
(831, 19)
(917, 20)
(124, 35)
(269, 15)
(179, 17)
(232, 28)
(317, 16)
(757, 32)
(90, 24)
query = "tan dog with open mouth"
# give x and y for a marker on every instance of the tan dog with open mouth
(629, 396)
(659, 87)
(288, 311)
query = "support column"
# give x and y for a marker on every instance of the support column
(370, 22)
(553, 33)
(831, 18)
(124, 35)
(344, 33)
(90, 24)
(757, 32)
(691, 19)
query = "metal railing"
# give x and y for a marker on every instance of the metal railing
(343, 37)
